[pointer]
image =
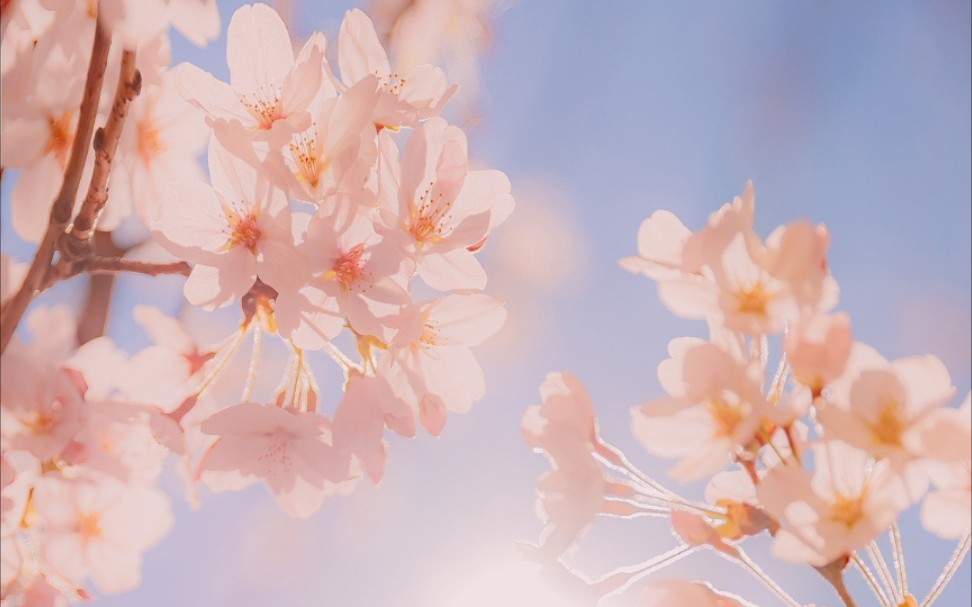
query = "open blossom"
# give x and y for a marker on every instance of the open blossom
(405, 98)
(725, 274)
(818, 347)
(289, 450)
(366, 409)
(843, 504)
(38, 135)
(429, 361)
(41, 402)
(441, 210)
(236, 231)
(160, 145)
(356, 278)
(714, 409)
(166, 372)
(881, 407)
(270, 91)
(99, 529)
(573, 493)
(338, 151)
(947, 509)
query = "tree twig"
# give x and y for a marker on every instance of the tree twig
(78, 243)
(64, 202)
(108, 265)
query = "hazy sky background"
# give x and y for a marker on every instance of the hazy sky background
(856, 115)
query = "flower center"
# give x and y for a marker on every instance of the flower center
(264, 108)
(392, 82)
(61, 136)
(888, 427)
(244, 230)
(310, 164)
(847, 510)
(726, 414)
(149, 139)
(429, 218)
(347, 268)
(89, 525)
(753, 300)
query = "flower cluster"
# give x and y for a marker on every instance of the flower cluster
(823, 452)
(331, 194)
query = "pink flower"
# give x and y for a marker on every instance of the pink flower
(168, 371)
(339, 150)
(357, 278)
(291, 451)
(714, 409)
(881, 407)
(367, 407)
(947, 510)
(817, 348)
(443, 209)
(565, 424)
(842, 505)
(405, 98)
(571, 494)
(269, 93)
(100, 529)
(236, 231)
(159, 145)
(429, 362)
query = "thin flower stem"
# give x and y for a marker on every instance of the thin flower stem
(897, 548)
(63, 205)
(763, 577)
(877, 557)
(670, 506)
(794, 447)
(636, 572)
(339, 357)
(779, 380)
(616, 460)
(639, 509)
(298, 367)
(221, 364)
(254, 369)
(953, 565)
(870, 579)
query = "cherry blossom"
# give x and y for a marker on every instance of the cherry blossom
(270, 91)
(236, 231)
(714, 409)
(443, 209)
(291, 451)
(429, 361)
(100, 529)
(406, 98)
(842, 505)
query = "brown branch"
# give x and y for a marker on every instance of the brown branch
(64, 203)
(78, 243)
(102, 265)
(109, 265)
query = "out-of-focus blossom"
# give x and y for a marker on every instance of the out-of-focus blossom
(843, 504)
